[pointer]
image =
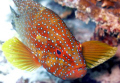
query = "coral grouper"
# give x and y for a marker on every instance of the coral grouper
(46, 41)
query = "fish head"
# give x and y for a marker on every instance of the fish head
(64, 60)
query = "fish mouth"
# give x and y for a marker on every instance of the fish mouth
(76, 73)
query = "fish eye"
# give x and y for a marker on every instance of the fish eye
(58, 52)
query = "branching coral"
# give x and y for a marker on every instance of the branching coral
(105, 13)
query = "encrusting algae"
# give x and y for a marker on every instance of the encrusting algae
(46, 41)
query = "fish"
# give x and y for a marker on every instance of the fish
(46, 41)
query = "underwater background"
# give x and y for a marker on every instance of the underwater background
(87, 20)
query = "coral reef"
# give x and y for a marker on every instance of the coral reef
(105, 13)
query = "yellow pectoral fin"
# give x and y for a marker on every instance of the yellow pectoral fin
(96, 52)
(19, 55)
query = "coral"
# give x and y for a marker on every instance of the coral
(110, 78)
(105, 13)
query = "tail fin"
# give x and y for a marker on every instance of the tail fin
(20, 55)
(96, 52)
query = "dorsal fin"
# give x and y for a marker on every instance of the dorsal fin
(13, 11)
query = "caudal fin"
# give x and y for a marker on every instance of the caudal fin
(96, 52)
(19, 55)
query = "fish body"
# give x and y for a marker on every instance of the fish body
(46, 34)
(46, 41)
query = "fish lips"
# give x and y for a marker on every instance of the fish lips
(76, 73)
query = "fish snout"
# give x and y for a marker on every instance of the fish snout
(76, 73)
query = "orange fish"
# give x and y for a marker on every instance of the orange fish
(46, 41)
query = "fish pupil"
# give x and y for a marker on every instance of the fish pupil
(58, 52)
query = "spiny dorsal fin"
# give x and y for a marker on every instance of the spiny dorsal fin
(13, 11)
(96, 52)
(20, 55)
